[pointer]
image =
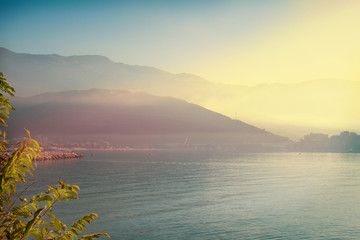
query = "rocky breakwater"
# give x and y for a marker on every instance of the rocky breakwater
(58, 155)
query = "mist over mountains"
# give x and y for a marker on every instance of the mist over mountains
(127, 117)
(294, 110)
(35, 74)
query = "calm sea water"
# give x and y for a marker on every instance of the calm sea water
(169, 195)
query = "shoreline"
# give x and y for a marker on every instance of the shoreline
(50, 155)
(58, 155)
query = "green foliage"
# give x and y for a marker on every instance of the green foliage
(5, 106)
(21, 218)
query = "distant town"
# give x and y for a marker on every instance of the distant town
(318, 142)
(345, 142)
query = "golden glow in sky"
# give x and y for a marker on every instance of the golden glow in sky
(312, 41)
(242, 42)
(239, 42)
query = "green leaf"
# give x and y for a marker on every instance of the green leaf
(56, 223)
(28, 133)
(74, 232)
(95, 235)
(23, 211)
(2, 122)
(37, 234)
(78, 227)
(44, 198)
(32, 222)
(34, 206)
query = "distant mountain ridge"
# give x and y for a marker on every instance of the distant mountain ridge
(35, 74)
(135, 117)
(329, 106)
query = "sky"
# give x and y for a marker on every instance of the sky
(240, 42)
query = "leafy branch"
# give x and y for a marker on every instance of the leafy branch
(24, 218)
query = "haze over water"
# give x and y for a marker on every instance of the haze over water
(173, 195)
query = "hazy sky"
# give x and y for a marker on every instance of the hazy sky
(245, 42)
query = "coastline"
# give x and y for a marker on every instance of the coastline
(50, 155)
(58, 155)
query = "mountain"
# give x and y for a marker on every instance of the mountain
(125, 117)
(328, 105)
(34, 74)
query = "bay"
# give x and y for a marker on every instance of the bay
(197, 195)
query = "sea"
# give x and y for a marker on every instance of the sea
(209, 195)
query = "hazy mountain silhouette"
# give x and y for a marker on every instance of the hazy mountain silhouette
(129, 117)
(33, 74)
(290, 109)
